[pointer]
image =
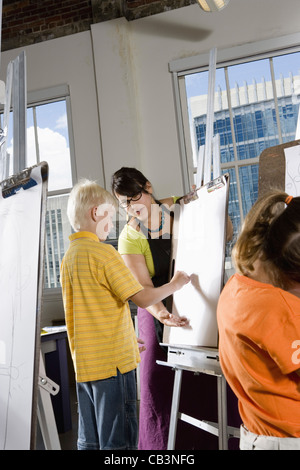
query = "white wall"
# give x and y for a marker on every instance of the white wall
(68, 60)
(121, 89)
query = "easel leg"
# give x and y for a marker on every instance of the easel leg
(46, 416)
(174, 409)
(222, 413)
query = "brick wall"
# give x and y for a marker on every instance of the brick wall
(27, 22)
(134, 9)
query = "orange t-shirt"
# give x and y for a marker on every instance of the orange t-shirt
(259, 345)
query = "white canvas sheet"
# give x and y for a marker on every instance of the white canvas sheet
(200, 253)
(19, 259)
(292, 170)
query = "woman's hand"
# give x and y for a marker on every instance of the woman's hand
(191, 196)
(169, 319)
(141, 345)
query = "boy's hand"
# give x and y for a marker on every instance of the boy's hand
(180, 278)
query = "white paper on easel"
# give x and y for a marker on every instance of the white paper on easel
(292, 170)
(20, 216)
(200, 253)
(297, 135)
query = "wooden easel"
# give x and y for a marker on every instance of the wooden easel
(42, 385)
(272, 168)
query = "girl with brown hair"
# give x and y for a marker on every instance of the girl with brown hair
(259, 324)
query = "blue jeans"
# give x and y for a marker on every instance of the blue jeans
(107, 413)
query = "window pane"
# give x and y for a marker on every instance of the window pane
(287, 76)
(233, 204)
(249, 186)
(253, 108)
(49, 142)
(58, 230)
(197, 93)
(31, 149)
(257, 124)
(53, 141)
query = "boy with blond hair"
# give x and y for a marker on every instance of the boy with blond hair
(96, 287)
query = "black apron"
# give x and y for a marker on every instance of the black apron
(161, 253)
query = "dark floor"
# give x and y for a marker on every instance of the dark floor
(68, 440)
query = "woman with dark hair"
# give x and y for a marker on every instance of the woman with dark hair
(145, 244)
(259, 324)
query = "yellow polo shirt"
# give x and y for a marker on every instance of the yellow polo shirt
(96, 285)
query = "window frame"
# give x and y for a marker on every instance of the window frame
(266, 49)
(52, 95)
(44, 97)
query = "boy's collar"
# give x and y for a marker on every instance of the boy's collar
(83, 234)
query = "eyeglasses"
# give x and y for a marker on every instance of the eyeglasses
(126, 203)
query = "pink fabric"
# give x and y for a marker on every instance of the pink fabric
(156, 389)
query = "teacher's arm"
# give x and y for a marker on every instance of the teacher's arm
(137, 265)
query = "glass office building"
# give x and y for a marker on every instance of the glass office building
(253, 122)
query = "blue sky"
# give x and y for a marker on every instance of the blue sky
(53, 140)
(197, 84)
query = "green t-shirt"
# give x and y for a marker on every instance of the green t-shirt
(132, 242)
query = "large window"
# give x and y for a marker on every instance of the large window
(49, 138)
(256, 106)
